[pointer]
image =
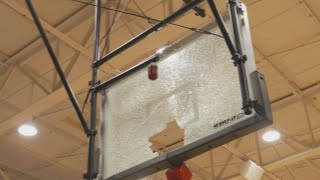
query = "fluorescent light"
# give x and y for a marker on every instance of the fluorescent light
(27, 130)
(271, 135)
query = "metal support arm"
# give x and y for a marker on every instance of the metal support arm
(92, 170)
(58, 67)
(240, 59)
(236, 51)
(146, 33)
(222, 27)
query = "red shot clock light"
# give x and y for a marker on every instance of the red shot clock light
(153, 71)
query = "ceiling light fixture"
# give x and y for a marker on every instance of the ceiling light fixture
(160, 51)
(271, 135)
(27, 130)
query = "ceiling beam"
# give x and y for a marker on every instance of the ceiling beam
(60, 35)
(258, 147)
(169, 9)
(65, 127)
(4, 58)
(195, 168)
(37, 45)
(284, 102)
(314, 14)
(55, 78)
(283, 162)
(25, 13)
(122, 6)
(290, 172)
(235, 152)
(313, 167)
(45, 156)
(300, 156)
(245, 158)
(130, 19)
(230, 177)
(56, 97)
(59, 95)
(309, 123)
(106, 45)
(211, 154)
(51, 100)
(35, 78)
(11, 106)
(76, 56)
(16, 171)
(4, 175)
(44, 104)
(229, 158)
(294, 88)
(127, 20)
(293, 144)
(6, 77)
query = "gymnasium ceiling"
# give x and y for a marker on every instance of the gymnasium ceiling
(286, 37)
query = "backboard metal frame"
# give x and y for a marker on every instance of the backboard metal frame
(260, 104)
(174, 158)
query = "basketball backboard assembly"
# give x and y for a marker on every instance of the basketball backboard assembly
(198, 90)
(197, 94)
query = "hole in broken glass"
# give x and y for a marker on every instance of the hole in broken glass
(170, 138)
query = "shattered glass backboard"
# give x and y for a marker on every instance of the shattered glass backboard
(193, 106)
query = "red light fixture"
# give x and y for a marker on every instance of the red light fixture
(181, 172)
(153, 71)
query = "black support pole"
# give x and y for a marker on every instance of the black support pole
(222, 26)
(146, 33)
(91, 174)
(240, 59)
(57, 66)
(236, 51)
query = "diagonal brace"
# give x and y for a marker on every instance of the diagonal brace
(58, 67)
